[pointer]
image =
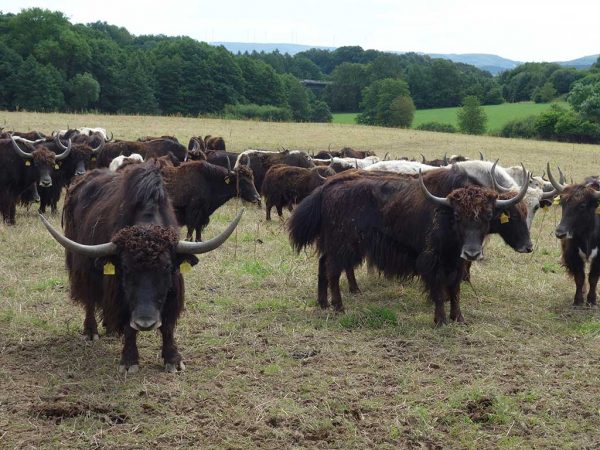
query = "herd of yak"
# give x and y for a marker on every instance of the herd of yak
(125, 202)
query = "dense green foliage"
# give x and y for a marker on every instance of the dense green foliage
(437, 127)
(471, 117)
(379, 99)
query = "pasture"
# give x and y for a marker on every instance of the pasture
(267, 369)
(498, 115)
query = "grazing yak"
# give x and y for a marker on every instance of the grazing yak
(214, 143)
(341, 164)
(148, 149)
(198, 188)
(261, 160)
(223, 159)
(19, 169)
(579, 234)
(125, 258)
(285, 186)
(404, 230)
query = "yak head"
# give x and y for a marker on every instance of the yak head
(245, 184)
(473, 209)
(579, 204)
(512, 225)
(44, 161)
(147, 261)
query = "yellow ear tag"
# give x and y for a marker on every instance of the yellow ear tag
(27, 163)
(185, 267)
(56, 166)
(556, 201)
(227, 180)
(504, 218)
(109, 269)
(93, 158)
(598, 210)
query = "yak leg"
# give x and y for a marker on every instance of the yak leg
(333, 276)
(170, 354)
(90, 326)
(199, 234)
(130, 356)
(322, 283)
(593, 281)
(269, 206)
(454, 293)
(279, 211)
(437, 297)
(190, 233)
(12, 212)
(352, 284)
(579, 276)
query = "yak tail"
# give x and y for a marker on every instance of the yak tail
(304, 224)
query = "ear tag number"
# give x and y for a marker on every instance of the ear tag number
(27, 163)
(504, 218)
(109, 269)
(185, 267)
(227, 180)
(556, 201)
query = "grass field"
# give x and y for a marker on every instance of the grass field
(267, 369)
(498, 115)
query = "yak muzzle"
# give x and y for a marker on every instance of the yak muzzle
(145, 324)
(46, 182)
(471, 254)
(562, 234)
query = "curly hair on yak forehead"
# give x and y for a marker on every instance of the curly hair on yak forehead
(42, 155)
(472, 201)
(146, 243)
(577, 193)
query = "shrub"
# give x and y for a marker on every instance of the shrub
(520, 128)
(437, 126)
(471, 117)
(260, 112)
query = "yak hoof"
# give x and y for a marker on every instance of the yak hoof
(91, 337)
(128, 370)
(174, 367)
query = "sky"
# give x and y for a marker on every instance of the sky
(521, 30)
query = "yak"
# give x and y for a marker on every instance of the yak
(125, 258)
(261, 160)
(579, 234)
(198, 188)
(285, 186)
(148, 149)
(21, 169)
(402, 229)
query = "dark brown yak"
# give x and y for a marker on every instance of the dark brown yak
(148, 149)
(398, 226)
(285, 186)
(125, 259)
(198, 188)
(579, 234)
(22, 165)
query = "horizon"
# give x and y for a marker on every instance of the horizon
(462, 27)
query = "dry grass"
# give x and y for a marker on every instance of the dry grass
(265, 368)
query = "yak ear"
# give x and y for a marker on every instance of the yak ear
(192, 260)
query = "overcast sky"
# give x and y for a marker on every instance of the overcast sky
(523, 30)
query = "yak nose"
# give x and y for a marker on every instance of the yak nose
(471, 255)
(142, 324)
(526, 249)
(560, 233)
(46, 182)
(79, 173)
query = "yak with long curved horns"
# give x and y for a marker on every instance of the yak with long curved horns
(125, 258)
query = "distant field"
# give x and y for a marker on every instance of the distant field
(497, 115)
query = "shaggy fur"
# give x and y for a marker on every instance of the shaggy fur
(385, 219)
(148, 149)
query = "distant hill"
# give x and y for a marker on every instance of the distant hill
(292, 49)
(492, 63)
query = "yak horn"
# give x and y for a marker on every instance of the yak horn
(17, 149)
(561, 176)
(481, 158)
(557, 185)
(495, 184)
(102, 142)
(446, 158)
(424, 160)
(442, 201)
(196, 248)
(67, 150)
(517, 198)
(93, 251)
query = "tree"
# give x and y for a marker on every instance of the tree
(545, 93)
(401, 112)
(37, 87)
(297, 98)
(471, 117)
(344, 94)
(319, 112)
(136, 88)
(84, 90)
(377, 99)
